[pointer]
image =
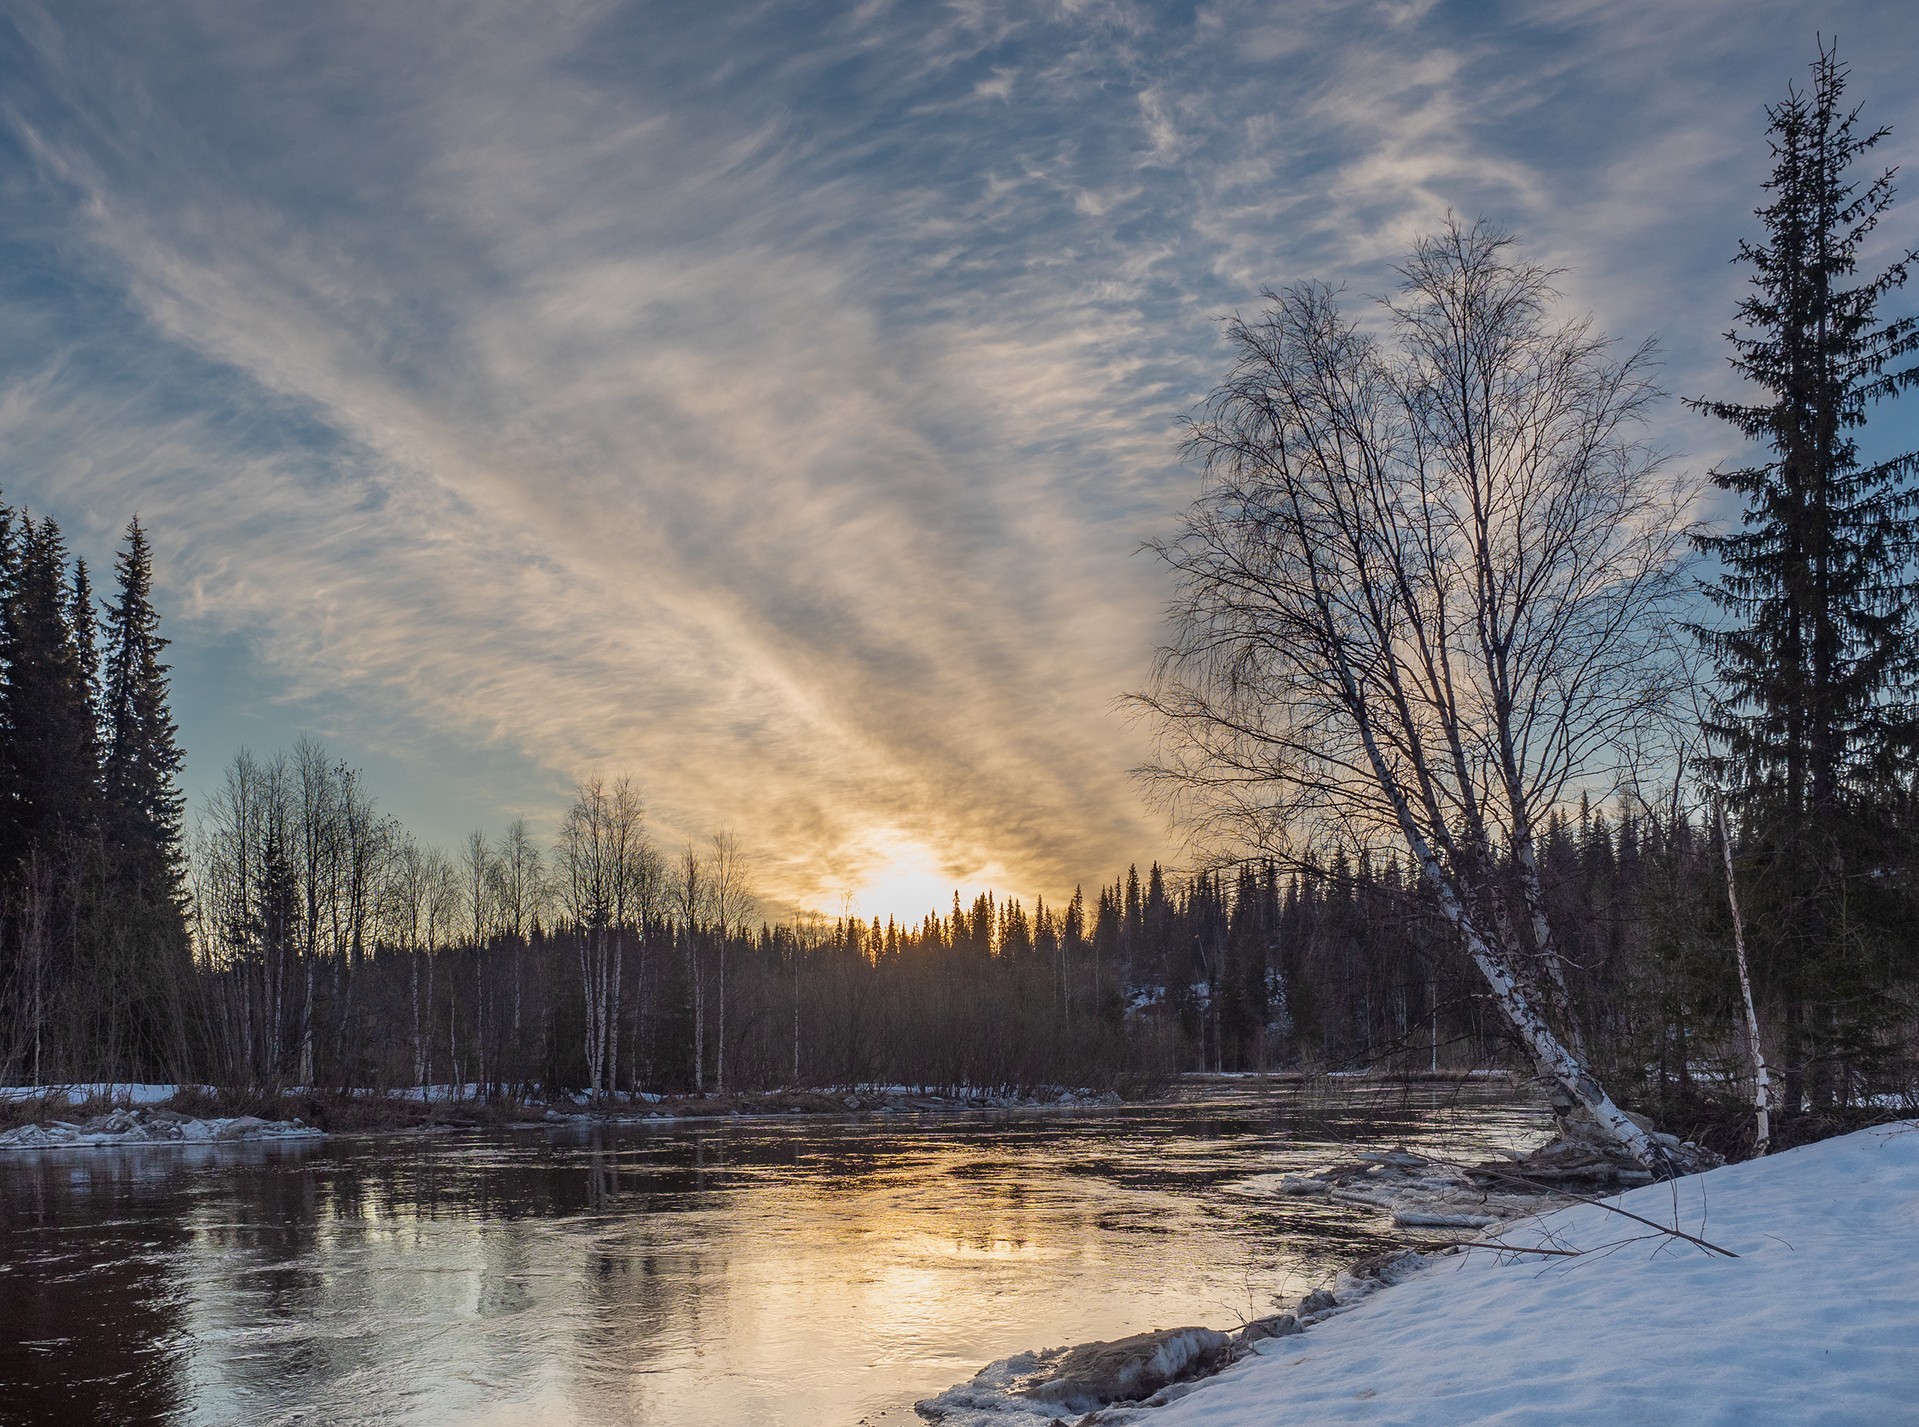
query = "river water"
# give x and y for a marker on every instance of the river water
(795, 1271)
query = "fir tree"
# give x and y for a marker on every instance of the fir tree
(49, 748)
(1817, 659)
(84, 623)
(7, 551)
(143, 757)
(1815, 726)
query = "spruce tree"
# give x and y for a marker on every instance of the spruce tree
(49, 748)
(1814, 729)
(7, 547)
(84, 624)
(143, 758)
(1817, 654)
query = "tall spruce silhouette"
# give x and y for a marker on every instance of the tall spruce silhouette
(143, 758)
(1817, 653)
(49, 746)
(1814, 728)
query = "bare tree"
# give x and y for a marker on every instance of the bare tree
(477, 893)
(441, 885)
(692, 894)
(605, 861)
(245, 878)
(733, 903)
(406, 914)
(520, 894)
(1422, 601)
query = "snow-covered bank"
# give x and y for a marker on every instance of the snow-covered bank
(133, 1114)
(1812, 1322)
(120, 1092)
(151, 1127)
(137, 1116)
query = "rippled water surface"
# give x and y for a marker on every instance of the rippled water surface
(718, 1272)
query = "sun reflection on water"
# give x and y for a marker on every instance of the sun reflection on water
(691, 1274)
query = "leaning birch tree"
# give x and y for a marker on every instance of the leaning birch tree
(1422, 601)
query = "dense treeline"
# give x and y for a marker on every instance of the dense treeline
(95, 977)
(338, 951)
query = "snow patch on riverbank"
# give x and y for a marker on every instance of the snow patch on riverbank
(1812, 1323)
(119, 1092)
(151, 1127)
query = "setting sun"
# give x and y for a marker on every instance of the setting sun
(903, 879)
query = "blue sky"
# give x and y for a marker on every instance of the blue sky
(769, 400)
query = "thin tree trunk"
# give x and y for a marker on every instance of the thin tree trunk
(419, 1053)
(613, 1036)
(306, 1026)
(1761, 1079)
(693, 971)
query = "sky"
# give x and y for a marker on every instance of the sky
(770, 401)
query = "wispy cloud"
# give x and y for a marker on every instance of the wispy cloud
(770, 402)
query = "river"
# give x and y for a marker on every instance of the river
(793, 1271)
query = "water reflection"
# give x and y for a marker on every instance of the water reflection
(772, 1272)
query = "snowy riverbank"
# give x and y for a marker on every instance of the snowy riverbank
(79, 1116)
(1812, 1322)
(139, 1117)
(140, 1126)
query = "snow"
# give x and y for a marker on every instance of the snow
(430, 1094)
(1030, 1389)
(1813, 1323)
(135, 1126)
(120, 1093)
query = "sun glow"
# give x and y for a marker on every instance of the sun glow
(903, 879)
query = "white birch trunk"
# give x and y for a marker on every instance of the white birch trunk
(693, 972)
(1550, 1057)
(1761, 1079)
(306, 1026)
(419, 1054)
(613, 1016)
(589, 996)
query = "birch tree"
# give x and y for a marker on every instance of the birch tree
(692, 893)
(1422, 602)
(520, 895)
(733, 903)
(606, 875)
(477, 888)
(406, 912)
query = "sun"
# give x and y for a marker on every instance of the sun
(901, 878)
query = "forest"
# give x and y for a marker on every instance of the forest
(1672, 821)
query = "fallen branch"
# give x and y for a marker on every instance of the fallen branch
(1676, 1233)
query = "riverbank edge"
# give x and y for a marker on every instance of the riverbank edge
(440, 1110)
(1515, 1239)
(1166, 1365)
